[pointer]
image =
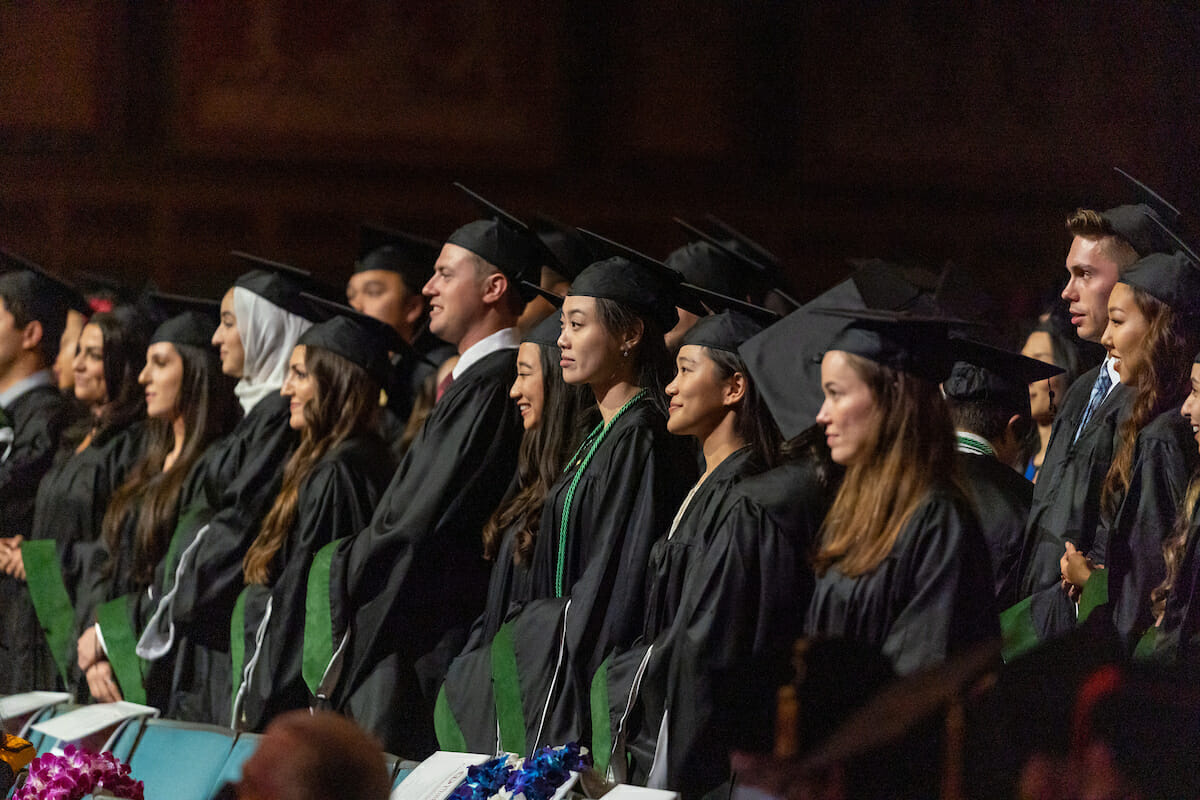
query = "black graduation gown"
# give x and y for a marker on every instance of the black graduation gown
(227, 495)
(1130, 544)
(38, 419)
(1178, 639)
(467, 688)
(625, 501)
(414, 580)
(335, 500)
(68, 511)
(1002, 498)
(930, 597)
(1066, 497)
(742, 600)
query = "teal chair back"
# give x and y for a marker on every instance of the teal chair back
(231, 770)
(180, 760)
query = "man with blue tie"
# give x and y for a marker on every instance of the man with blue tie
(1066, 500)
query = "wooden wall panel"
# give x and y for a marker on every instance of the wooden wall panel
(451, 83)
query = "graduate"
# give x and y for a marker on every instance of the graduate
(720, 595)
(1083, 439)
(988, 392)
(189, 405)
(1053, 341)
(551, 411)
(1152, 333)
(229, 491)
(1176, 601)
(404, 592)
(622, 487)
(33, 416)
(901, 562)
(331, 485)
(93, 459)
(386, 284)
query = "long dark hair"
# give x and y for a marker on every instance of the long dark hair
(345, 404)
(209, 410)
(755, 425)
(1160, 385)
(652, 361)
(542, 458)
(125, 332)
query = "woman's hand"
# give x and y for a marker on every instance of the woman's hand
(87, 650)
(11, 562)
(1076, 570)
(102, 683)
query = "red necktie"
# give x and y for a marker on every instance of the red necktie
(444, 385)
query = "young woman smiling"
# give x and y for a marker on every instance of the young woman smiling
(189, 405)
(901, 563)
(551, 412)
(715, 583)
(1176, 639)
(93, 459)
(331, 484)
(1152, 334)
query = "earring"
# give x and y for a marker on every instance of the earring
(624, 354)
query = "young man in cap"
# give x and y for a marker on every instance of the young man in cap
(404, 591)
(988, 395)
(1066, 497)
(386, 284)
(33, 414)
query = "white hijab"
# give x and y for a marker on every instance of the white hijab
(268, 336)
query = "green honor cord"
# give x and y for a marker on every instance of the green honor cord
(595, 438)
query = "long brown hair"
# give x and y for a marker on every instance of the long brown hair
(207, 404)
(542, 458)
(1175, 544)
(1160, 385)
(911, 447)
(345, 404)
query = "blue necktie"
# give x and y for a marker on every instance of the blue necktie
(1099, 392)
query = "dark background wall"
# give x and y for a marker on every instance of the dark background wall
(148, 139)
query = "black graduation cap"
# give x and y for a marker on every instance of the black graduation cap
(725, 331)
(358, 338)
(671, 286)
(784, 360)
(759, 253)
(194, 328)
(717, 263)
(47, 295)
(546, 332)
(282, 285)
(770, 276)
(1173, 279)
(564, 241)
(1166, 212)
(410, 256)
(702, 264)
(172, 304)
(914, 343)
(507, 243)
(985, 373)
(1135, 224)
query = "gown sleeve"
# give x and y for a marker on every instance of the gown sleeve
(1163, 461)
(415, 578)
